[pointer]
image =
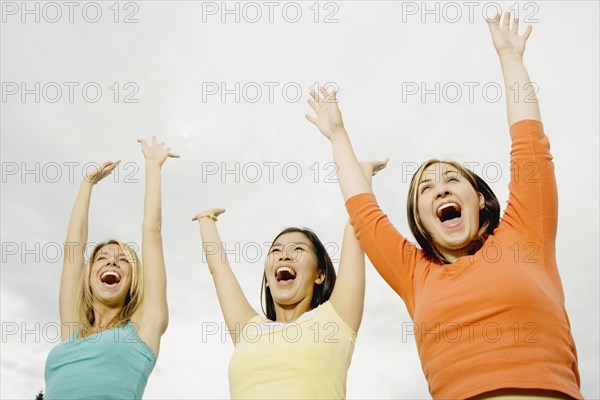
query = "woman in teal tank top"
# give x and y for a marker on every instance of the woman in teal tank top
(113, 312)
(303, 348)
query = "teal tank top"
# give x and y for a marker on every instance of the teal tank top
(113, 364)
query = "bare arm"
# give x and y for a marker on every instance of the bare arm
(329, 121)
(521, 102)
(348, 295)
(77, 235)
(152, 317)
(234, 305)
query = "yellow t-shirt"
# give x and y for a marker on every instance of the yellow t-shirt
(307, 358)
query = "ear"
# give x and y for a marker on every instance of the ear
(320, 278)
(481, 201)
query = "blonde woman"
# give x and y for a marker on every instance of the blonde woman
(113, 311)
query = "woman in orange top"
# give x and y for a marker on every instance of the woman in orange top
(484, 294)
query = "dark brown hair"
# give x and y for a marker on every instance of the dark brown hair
(489, 216)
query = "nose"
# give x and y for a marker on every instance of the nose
(284, 256)
(113, 262)
(442, 192)
(287, 253)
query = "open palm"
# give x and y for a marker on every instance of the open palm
(156, 152)
(95, 175)
(329, 117)
(506, 38)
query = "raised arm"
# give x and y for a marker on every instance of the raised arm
(532, 209)
(152, 316)
(521, 102)
(348, 297)
(234, 305)
(329, 121)
(77, 234)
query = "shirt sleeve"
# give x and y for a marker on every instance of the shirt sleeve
(394, 257)
(532, 208)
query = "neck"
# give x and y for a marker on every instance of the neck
(454, 254)
(104, 313)
(290, 312)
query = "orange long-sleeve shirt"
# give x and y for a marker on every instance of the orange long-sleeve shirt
(495, 319)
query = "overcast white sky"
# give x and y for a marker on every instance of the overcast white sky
(173, 70)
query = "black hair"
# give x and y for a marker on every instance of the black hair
(322, 291)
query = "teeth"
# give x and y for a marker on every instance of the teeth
(288, 269)
(113, 273)
(444, 206)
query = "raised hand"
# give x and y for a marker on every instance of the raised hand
(506, 39)
(156, 152)
(329, 117)
(97, 174)
(215, 212)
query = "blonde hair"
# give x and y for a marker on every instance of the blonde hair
(132, 301)
(489, 216)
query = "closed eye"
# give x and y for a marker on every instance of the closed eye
(424, 188)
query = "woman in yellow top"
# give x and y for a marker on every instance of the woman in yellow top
(304, 347)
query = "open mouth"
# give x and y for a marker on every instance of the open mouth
(449, 213)
(110, 278)
(285, 274)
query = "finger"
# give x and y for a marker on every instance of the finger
(153, 139)
(105, 164)
(172, 155)
(218, 211)
(334, 96)
(313, 105)
(527, 32)
(314, 95)
(378, 168)
(114, 165)
(325, 94)
(493, 23)
(506, 22)
(143, 142)
(515, 26)
(494, 20)
(310, 119)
